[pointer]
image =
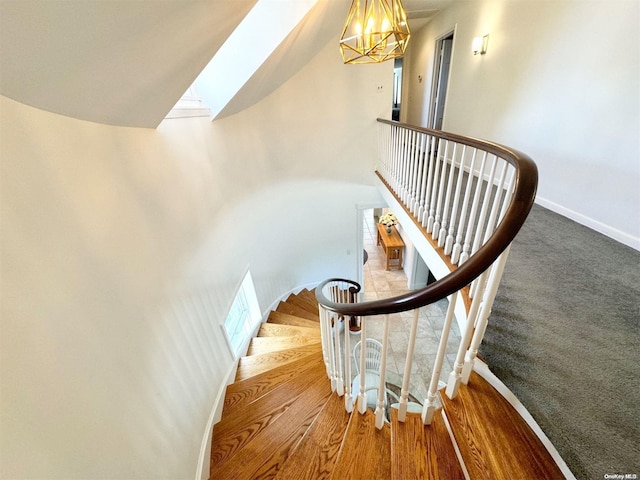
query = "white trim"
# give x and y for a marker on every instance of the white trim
(203, 473)
(465, 472)
(435, 69)
(611, 232)
(483, 370)
(360, 209)
(284, 296)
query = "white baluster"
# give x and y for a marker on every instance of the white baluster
(409, 196)
(466, 247)
(485, 310)
(362, 395)
(445, 211)
(406, 378)
(495, 206)
(430, 403)
(382, 391)
(448, 247)
(332, 355)
(424, 165)
(406, 169)
(394, 159)
(338, 357)
(324, 314)
(415, 209)
(348, 396)
(443, 174)
(407, 166)
(479, 235)
(427, 195)
(434, 192)
(457, 248)
(398, 160)
(455, 376)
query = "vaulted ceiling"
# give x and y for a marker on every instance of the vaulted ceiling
(123, 62)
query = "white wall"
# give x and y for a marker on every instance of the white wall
(560, 83)
(122, 248)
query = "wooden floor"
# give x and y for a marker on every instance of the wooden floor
(281, 420)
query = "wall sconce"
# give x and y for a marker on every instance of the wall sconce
(479, 45)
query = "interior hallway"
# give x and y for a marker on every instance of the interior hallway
(379, 283)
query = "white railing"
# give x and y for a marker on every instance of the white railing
(469, 198)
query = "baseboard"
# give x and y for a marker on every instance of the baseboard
(483, 370)
(609, 231)
(284, 296)
(203, 468)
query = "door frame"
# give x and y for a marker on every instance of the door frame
(450, 32)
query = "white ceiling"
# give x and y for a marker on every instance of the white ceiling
(123, 62)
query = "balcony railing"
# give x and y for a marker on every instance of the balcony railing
(468, 198)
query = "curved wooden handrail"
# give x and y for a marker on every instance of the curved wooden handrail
(525, 185)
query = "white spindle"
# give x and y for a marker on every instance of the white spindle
(382, 391)
(416, 207)
(443, 176)
(362, 394)
(434, 191)
(466, 246)
(485, 310)
(430, 402)
(338, 357)
(495, 207)
(348, 396)
(415, 162)
(406, 378)
(394, 159)
(455, 376)
(424, 154)
(331, 353)
(486, 203)
(457, 248)
(402, 193)
(448, 247)
(445, 211)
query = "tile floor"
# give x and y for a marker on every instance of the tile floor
(379, 283)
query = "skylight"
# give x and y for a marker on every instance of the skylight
(247, 48)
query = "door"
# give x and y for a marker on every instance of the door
(444, 48)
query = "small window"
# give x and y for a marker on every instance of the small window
(190, 105)
(243, 316)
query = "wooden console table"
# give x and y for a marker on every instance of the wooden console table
(392, 245)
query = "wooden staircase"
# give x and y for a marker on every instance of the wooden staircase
(280, 420)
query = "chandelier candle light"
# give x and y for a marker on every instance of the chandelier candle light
(375, 31)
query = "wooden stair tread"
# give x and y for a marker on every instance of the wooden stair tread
(257, 364)
(293, 309)
(278, 330)
(238, 427)
(304, 302)
(288, 319)
(309, 296)
(260, 345)
(492, 436)
(243, 392)
(315, 455)
(366, 451)
(265, 447)
(421, 451)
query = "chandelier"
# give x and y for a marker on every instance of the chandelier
(375, 31)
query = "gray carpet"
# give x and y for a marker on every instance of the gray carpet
(564, 336)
